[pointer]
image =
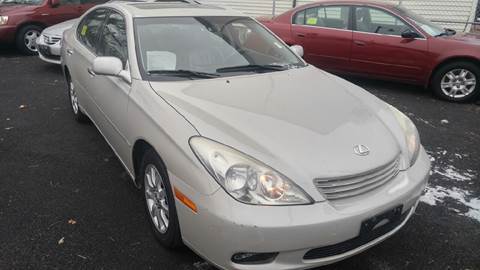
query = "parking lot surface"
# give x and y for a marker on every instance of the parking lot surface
(67, 203)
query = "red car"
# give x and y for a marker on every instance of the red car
(385, 41)
(22, 21)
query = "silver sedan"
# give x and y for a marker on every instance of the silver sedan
(49, 42)
(245, 153)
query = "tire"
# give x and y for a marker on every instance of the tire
(26, 39)
(462, 85)
(78, 115)
(169, 236)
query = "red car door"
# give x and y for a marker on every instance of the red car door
(378, 48)
(324, 33)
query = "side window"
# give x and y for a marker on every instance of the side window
(311, 16)
(334, 17)
(89, 28)
(69, 2)
(372, 20)
(299, 18)
(331, 17)
(114, 38)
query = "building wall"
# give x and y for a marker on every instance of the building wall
(450, 13)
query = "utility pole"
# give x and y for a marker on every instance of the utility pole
(274, 7)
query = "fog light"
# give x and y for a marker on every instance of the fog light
(254, 258)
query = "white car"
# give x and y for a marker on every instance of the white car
(49, 42)
(243, 152)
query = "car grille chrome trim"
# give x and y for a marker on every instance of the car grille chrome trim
(50, 40)
(353, 185)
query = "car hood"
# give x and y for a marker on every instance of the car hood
(58, 29)
(472, 38)
(7, 9)
(302, 122)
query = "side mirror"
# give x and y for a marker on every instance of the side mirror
(54, 3)
(110, 66)
(297, 49)
(409, 34)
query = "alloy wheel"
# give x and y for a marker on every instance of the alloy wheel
(156, 198)
(30, 39)
(73, 97)
(458, 83)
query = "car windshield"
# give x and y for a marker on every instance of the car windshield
(208, 47)
(426, 25)
(21, 2)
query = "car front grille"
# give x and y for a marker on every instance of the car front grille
(50, 40)
(353, 185)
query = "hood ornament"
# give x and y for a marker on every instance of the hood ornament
(361, 150)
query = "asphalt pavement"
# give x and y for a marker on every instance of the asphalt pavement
(67, 203)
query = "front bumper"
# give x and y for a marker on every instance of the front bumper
(49, 52)
(223, 227)
(7, 34)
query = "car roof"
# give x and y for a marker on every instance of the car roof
(172, 8)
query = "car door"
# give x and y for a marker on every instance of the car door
(325, 34)
(379, 49)
(111, 94)
(66, 10)
(82, 51)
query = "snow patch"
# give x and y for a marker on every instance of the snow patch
(453, 173)
(460, 200)
(438, 194)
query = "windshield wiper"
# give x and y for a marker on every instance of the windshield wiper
(184, 73)
(252, 68)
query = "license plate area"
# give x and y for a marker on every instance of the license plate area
(44, 49)
(370, 230)
(381, 223)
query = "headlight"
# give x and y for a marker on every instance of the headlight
(412, 138)
(244, 178)
(3, 20)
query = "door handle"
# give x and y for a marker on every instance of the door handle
(359, 43)
(301, 35)
(69, 51)
(91, 72)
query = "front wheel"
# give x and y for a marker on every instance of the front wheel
(457, 82)
(74, 104)
(159, 201)
(26, 40)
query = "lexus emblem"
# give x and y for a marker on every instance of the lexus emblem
(361, 150)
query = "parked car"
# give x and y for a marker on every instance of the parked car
(50, 40)
(384, 40)
(243, 152)
(22, 21)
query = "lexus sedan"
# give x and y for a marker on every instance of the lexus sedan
(384, 40)
(243, 152)
(49, 42)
